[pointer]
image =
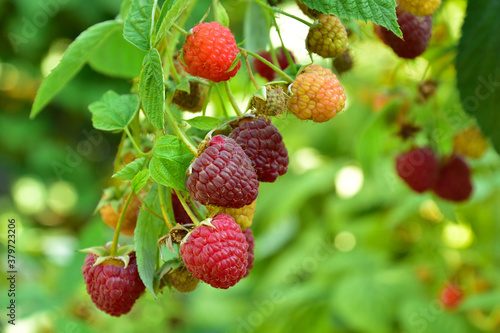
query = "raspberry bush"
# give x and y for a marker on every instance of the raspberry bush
(215, 183)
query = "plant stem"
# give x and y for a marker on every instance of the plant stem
(162, 205)
(173, 70)
(118, 158)
(180, 30)
(205, 104)
(277, 10)
(114, 246)
(175, 128)
(250, 73)
(232, 100)
(226, 114)
(287, 53)
(187, 208)
(139, 151)
(273, 67)
(149, 209)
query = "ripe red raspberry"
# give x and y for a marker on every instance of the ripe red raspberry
(251, 246)
(223, 175)
(420, 7)
(327, 37)
(266, 71)
(242, 216)
(451, 296)
(274, 105)
(417, 33)
(209, 51)
(316, 94)
(419, 168)
(216, 254)
(182, 280)
(263, 143)
(113, 289)
(454, 180)
(180, 214)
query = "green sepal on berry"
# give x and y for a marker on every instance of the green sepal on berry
(104, 256)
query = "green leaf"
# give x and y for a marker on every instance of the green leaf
(130, 170)
(140, 180)
(117, 58)
(204, 122)
(256, 27)
(152, 88)
(72, 61)
(170, 11)
(382, 12)
(138, 27)
(146, 235)
(478, 66)
(184, 85)
(220, 14)
(113, 112)
(170, 162)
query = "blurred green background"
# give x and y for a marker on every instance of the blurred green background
(342, 245)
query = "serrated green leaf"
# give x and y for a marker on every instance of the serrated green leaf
(382, 12)
(72, 61)
(170, 162)
(220, 14)
(478, 66)
(138, 27)
(116, 57)
(204, 122)
(140, 180)
(129, 171)
(256, 27)
(152, 88)
(173, 9)
(146, 235)
(113, 112)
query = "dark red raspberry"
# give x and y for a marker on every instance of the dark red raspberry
(251, 246)
(113, 289)
(223, 175)
(216, 255)
(417, 33)
(454, 180)
(419, 168)
(180, 214)
(451, 296)
(209, 51)
(266, 71)
(263, 143)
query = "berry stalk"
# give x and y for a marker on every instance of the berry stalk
(279, 11)
(232, 100)
(270, 64)
(114, 245)
(162, 205)
(187, 208)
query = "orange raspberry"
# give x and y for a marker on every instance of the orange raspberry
(316, 94)
(420, 7)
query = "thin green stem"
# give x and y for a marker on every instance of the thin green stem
(250, 73)
(226, 114)
(118, 158)
(180, 30)
(162, 205)
(114, 245)
(273, 67)
(187, 208)
(287, 53)
(209, 94)
(232, 100)
(139, 151)
(173, 70)
(149, 209)
(277, 10)
(175, 128)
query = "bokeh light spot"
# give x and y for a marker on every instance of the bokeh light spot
(345, 241)
(349, 181)
(29, 195)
